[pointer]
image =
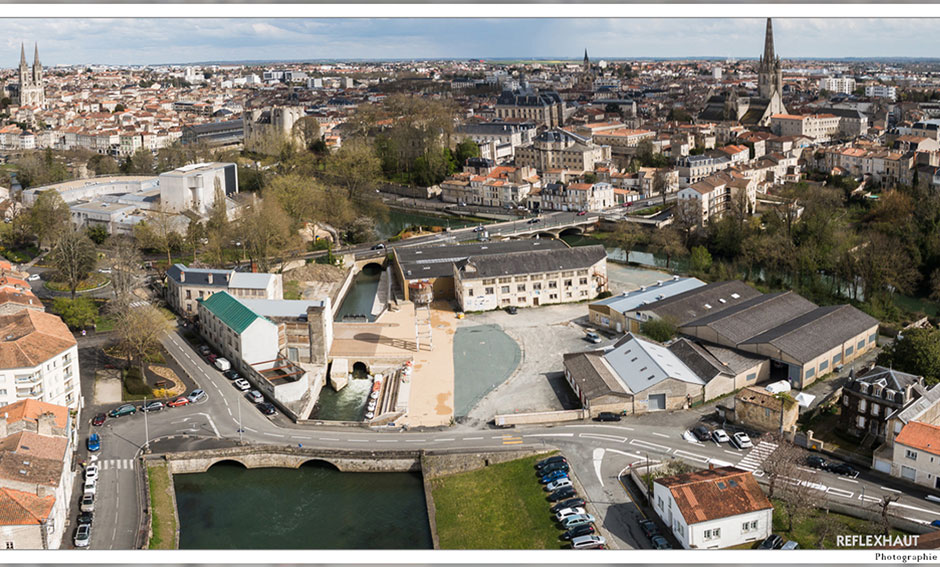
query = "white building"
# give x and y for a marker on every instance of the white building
(38, 359)
(844, 85)
(714, 508)
(881, 91)
(917, 454)
(195, 187)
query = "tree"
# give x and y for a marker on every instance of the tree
(465, 150)
(667, 242)
(307, 130)
(916, 351)
(165, 230)
(700, 260)
(97, 233)
(48, 216)
(73, 257)
(660, 330)
(124, 260)
(119, 108)
(625, 236)
(77, 313)
(104, 165)
(265, 231)
(195, 233)
(140, 163)
(354, 167)
(139, 329)
(782, 463)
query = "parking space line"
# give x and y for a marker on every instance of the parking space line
(648, 445)
(839, 492)
(658, 434)
(847, 479)
(692, 456)
(889, 489)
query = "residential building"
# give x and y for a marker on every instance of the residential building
(758, 409)
(622, 141)
(573, 197)
(719, 193)
(497, 140)
(530, 278)
(305, 327)
(544, 108)
(558, 148)
(881, 91)
(186, 285)
(38, 359)
(817, 127)
(693, 169)
(713, 509)
(870, 399)
(917, 454)
(843, 85)
(618, 313)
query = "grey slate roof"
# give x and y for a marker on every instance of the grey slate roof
(888, 378)
(690, 305)
(285, 308)
(810, 335)
(199, 276)
(699, 360)
(741, 322)
(629, 301)
(248, 280)
(533, 262)
(915, 409)
(437, 261)
(735, 360)
(592, 375)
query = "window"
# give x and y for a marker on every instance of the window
(712, 534)
(749, 526)
(862, 405)
(823, 365)
(860, 422)
(489, 291)
(766, 412)
(875, 408)
(552, 285)
(189, 294)
(9, 545)
(837, 359)
(520, 287)
(861, 344)
(872, 338)
(912, 455)
(583, 293)
(489, 281)
(751, 376)
(504, 289)
(849, 350)
(660, 502)
(470, 292)
(583, 281)
(810, 373)
(505, 280)
(567, 283)
(537, 285)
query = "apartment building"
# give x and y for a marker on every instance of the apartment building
(717, 194)
(488, 185)
(544, 108)
(622, 141)
(195, 187)
(882, 91)
(844, 85)
(559, 149)
(573, 197)
(38, 359)
(187, 285)
(692, 169)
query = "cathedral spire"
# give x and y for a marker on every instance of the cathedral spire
(769, 55)
(22, 54)
(36, 55)
(586, 60)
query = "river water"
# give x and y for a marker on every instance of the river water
(313, 507)
(361, 294)
(399, 220)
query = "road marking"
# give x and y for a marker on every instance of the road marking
(445, 439)
(471, 438)
(648, 445)
(230, 412)
(255, 430)
(847, 480)
(637, 455)
(212, 424)
(273, 434)
(386, 440)
(603, 437)
(690, 456)
(735, 453)
(658, 434)
(599, 426)
(890, 489)
(804, 469)
(756, 456)
(598, 458)
(327, 439)
(184, 420)
(510, 440)
(414, 440)
(544, 435)
(358, 440)
(839, 492)
(915, 508)
(866, 498)
(300, 437)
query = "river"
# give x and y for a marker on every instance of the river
(313, 507)
(399, 220)
(361, 294)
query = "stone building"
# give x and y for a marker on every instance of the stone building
(264, 127)
(870, 399)
(544, 108)
(560, 149)
(758, 409)
(30, 90)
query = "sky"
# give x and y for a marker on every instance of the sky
(154, 41)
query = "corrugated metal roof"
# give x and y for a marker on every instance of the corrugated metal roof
(230, 311)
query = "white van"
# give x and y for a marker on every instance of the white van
(222, 364)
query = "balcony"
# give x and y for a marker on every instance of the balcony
(29, 392)
(27, 380)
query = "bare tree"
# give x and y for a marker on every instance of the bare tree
(139, 330)
(73, 256)
(48, 216)
(886, 502)
(124, 260)
(781, 463)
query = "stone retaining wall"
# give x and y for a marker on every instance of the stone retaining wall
(266, 456)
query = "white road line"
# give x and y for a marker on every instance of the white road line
(445, 439)
(847, 480)
(648, 445)
(804, 469)
(598, 459)
(605, 426)
(866, 498)
(230, 412)
(358, 440)
(692, 456)
(327, 439)
(542, 435)
(839, 492)
(212, 424)
(472, 438)
(603, 437)
(414, 440)
(890, 489)
(637, 455)
(300, 437)
(386, 440)
(735, 453)
(915, 508)
(656, 433)
(184, 420)
(255, 430)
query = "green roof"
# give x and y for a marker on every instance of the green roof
(230, 311)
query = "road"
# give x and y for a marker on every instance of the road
(598, 453)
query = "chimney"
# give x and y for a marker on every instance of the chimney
(182, 276)
(711, 466)
(45, 423)
(210, 277)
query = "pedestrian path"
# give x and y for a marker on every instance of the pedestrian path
(122, 464)
(756, 457)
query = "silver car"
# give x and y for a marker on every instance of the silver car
(88, 503)
(719, 436)
(83, 535)
(563, 515)
(578, 520)
(588, 542)
(741, 440)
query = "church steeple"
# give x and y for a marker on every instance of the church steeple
(769, 55)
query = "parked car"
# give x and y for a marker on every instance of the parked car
(587, 542)
(87, 503)
(379, 246)
(34, 278)
(607, 416)
(85, 518)
(570, 503)
(152, 406)
(741, 440)
(553, 476)
(93, 443)
(562, 494)
(790, 545)
(552, 467)
(773, 541)
(843, 469)
(650, 529)
(178, 402)
(231, 374)
(719, 436)
(204, 350)
(91, 472)
(552, 459)
(582, 213)
(935, 523)
(254, 397)
(242, 384)
(701, 433)
(90, 487)
(267, 408)
(99, 419)
(83, 535)
(591, 336)
(659, 542)
(532, 221)
(212, 357)
(578, 531)
(197, 395)
(817, 462)
(563, 515)
(578, 520)
(222, 364)
(126, 409)
(556, 484)
(512, 310)
(479, 229)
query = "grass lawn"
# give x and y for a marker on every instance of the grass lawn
(104, 324)
(163, 517)
(292, 289)
(807, 532)
(91, 282)
(498, 507)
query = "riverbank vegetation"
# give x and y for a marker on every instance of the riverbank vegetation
(501, 506)
(162, 514)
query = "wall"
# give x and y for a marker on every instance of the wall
(509, 420)
(268, 456)
(434, 465)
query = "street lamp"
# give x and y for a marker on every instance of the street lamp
(146, 426)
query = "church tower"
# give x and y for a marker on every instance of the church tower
(770, 74)
(37, 68)
(31, 91)
(586, 65)
(23, 75)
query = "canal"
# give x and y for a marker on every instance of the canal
(348, 404)
(313, 507)
(399, 220)
(361, 294)
(639, 255)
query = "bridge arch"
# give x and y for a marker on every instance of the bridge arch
(547, 235)
(227, 461)
(319, 463)
(360, 368)
(373, 267)
(572, 231)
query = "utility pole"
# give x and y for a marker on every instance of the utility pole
(240, 429)
(146, 426)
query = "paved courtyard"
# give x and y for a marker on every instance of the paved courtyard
(484, 357)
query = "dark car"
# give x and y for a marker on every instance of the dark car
(578, 531)
(650, 529)
(267, 408)
(85, 518)
(552, 467)
(817, 462)
(844, 469)
(701, 433)
(659, 542)
(512, 310)
(935, 523)
(562, 494)
(126, 409)
(99, 419)
(572, 503)
(533, 221)
(231, 375)
(773, 541)
(607, 416)
(553, 475)
(552, 459)
(379, 247)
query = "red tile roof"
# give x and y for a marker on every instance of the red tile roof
(19, 508)
(30, 410)
(715, 493)
(919, 435)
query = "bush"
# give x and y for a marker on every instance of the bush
(604, 294)
(134, 382)
(659, 330)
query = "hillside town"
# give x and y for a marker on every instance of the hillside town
(697, 300)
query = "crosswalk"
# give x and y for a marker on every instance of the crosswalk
(117, 464)
(756, 456)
